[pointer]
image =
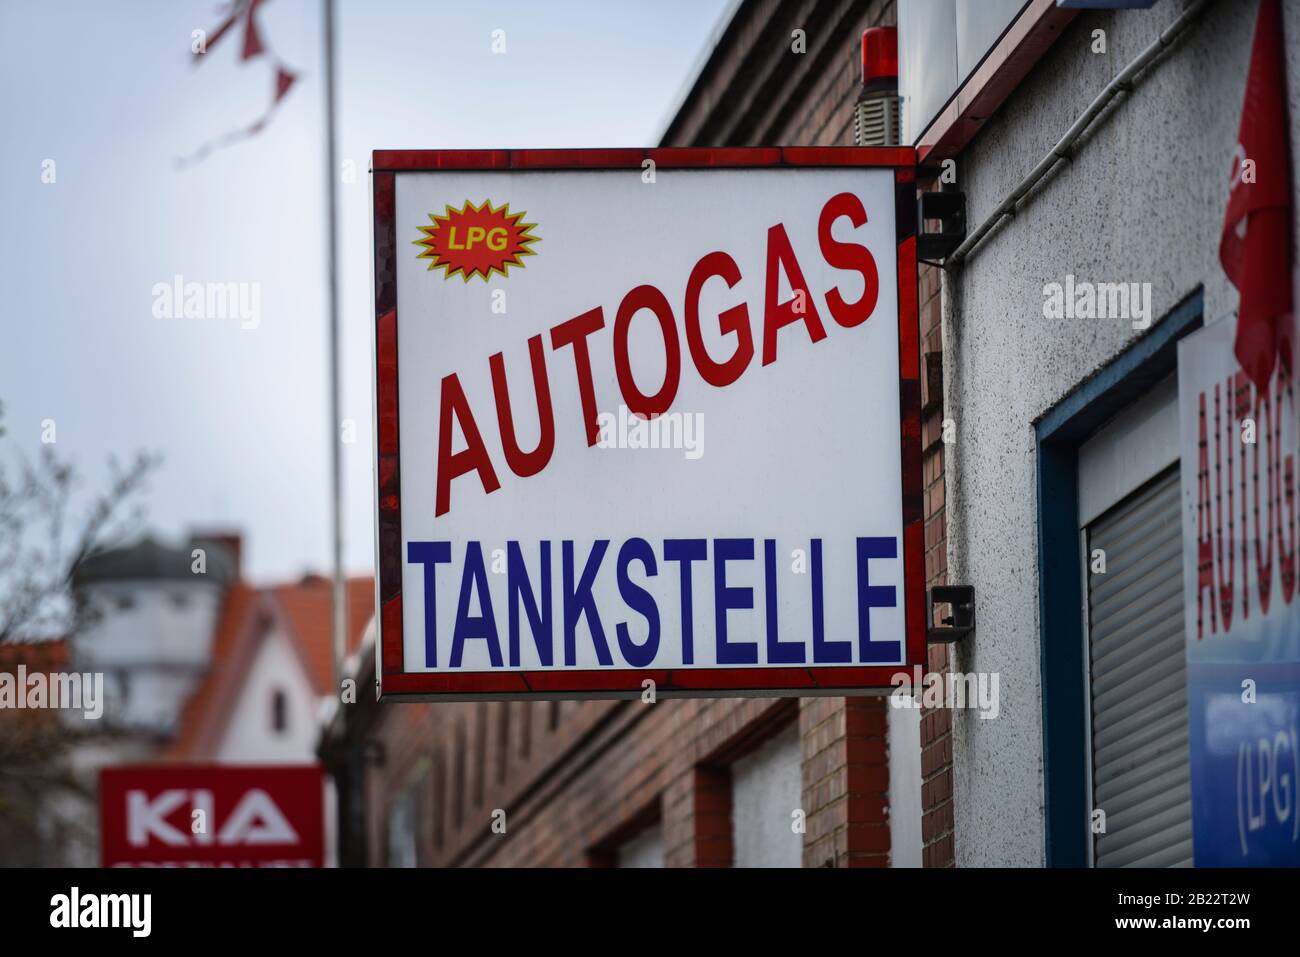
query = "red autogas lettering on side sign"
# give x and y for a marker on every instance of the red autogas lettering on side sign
(1246, 518)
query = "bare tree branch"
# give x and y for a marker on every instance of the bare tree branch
(41, 545)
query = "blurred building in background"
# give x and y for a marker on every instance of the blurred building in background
(198, 666)
(260, 701)
(154, 611)
(151, 622)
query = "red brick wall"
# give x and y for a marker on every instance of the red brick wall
(936, 724)
(846, 782)
(610, 768)
(605, 768)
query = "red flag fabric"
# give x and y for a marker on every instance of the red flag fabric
(245, 11)
(252, 41)
(218, 33)
(1255, 247)
(284, 78)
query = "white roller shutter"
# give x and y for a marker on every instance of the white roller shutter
(1138, 679)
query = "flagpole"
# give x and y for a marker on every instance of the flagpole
(336, 476)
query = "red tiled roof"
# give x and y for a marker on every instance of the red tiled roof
(308, 605)
(44, 656)
(39, 657)
(306, 610)
(236, 608)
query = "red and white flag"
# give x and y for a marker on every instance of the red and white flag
(245, 12)
(1256, 248)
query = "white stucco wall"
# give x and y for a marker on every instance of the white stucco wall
(153, 653)
(1143, 201)
(249, 738)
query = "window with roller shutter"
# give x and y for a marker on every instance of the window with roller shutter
(1138, 682)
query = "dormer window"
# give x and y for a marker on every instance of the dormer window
(279, 711)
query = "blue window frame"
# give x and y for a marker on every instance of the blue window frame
(1062, 662)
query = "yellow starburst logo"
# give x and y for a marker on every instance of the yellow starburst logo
(476, 240)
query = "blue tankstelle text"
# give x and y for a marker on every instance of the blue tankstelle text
(578, 602)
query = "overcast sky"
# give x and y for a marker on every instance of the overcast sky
(106, 91)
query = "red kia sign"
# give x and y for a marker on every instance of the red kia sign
(211, 816)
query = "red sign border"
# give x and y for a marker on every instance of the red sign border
(627, 682)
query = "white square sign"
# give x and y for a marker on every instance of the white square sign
(647, 418)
